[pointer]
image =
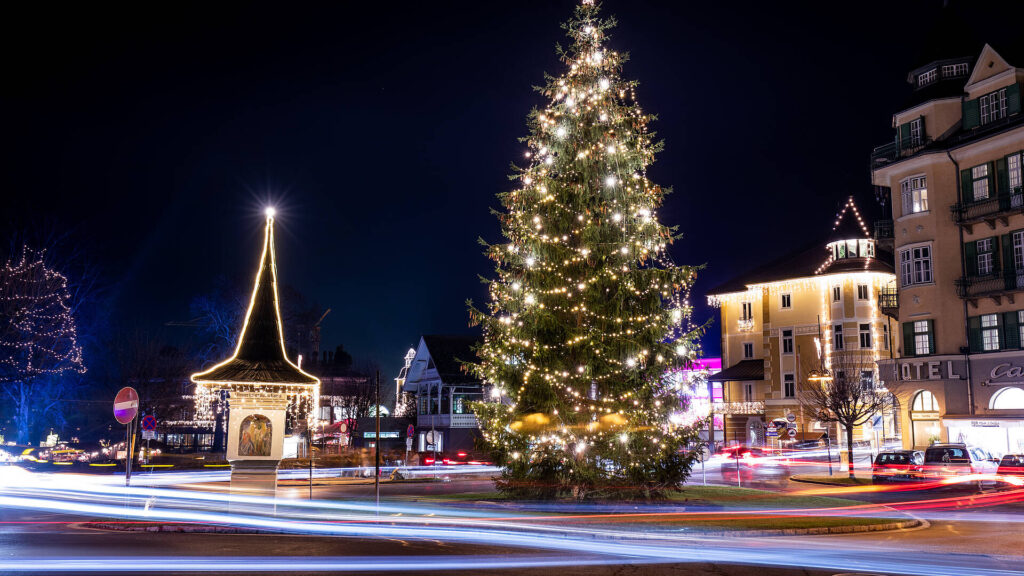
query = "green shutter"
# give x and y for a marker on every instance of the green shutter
(1011, 330)
(1013, 99)
(971, 256)
(1003, 177)
(1009, 265)
(991, 180)
(931, 336)
(966, 186)
(974, 333)
(904, 136)
(995, 256)
(908, 339)
(972, 114)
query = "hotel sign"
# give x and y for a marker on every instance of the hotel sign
(931, 370)
(986, 371)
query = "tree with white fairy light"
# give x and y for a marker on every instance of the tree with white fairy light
(38, 339)
(587, 312)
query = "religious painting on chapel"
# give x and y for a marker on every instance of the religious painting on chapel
(254, 436)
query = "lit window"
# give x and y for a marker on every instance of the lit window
(922, 333)
(954, 70)
(915, 194)
(979, 182)
(867, 380)
(924, 402)
(993, 106)
(990, 332)
(1011, 398)
(916, 133)
(985, 256)
(927, 77)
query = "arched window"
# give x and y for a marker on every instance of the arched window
(1008, 399)
(924, 402)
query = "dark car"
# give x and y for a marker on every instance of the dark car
(897, 466)
(1012, 466)
(753, 465)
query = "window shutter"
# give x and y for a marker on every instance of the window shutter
(974, 333)
(995, 257)
(971, 255)
(1013, 99)
(966, 187)
(1004, 181)
(908, 339)
(1009, 266)
(971, 114)
(1011, 330)
(904, 136)
(991, 180)
(931, 336)
(924, 135)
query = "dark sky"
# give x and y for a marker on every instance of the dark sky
(382, 132)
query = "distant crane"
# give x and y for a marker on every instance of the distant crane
(314, 336)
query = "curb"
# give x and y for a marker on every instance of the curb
(913, 523)
(820, 483)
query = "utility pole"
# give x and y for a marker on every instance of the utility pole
(376, 444)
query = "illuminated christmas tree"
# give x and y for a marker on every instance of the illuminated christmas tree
(587, 311)
(37, 333)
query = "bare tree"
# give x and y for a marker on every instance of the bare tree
(847, 394)
(38, 341)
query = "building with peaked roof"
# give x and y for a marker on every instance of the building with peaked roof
(957, 163)
(443, 390)
(261, 383)
(790, 316)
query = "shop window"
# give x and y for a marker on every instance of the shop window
(1010, 398)
(924, 402)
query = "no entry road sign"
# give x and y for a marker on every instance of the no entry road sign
(126, 405)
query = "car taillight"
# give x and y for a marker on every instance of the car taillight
(462, 454)
(447, 461)
(428, 461)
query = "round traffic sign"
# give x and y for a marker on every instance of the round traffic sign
(148, 422)
(126, 405)
(410, 431)
(791, 417)
(792, 432)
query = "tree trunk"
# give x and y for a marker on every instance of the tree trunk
(23, 412)
(849, 448)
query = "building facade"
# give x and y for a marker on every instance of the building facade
(794, 315)
(955, 174)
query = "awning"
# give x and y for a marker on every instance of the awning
(744, 370)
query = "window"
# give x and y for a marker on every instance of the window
(990, 332)
(748, 349)
(1011, 398)
(954, 70)
(837, 293)
(1018, 249)
(787, 341)
(916, 132)
(924, 402)
(865, 335)
(985, 256)
(927, 77)
(918, 338)
(915, 195)
(862, 291)
(838, 337)
(993, 106)
(748, 392)
(1014, 172)
(979, 182)
(788, 386)
(867, 380)
(867, 248)
(787, 301)
(916, 265)
(885, 336)
(1020, 326)
(747, 311)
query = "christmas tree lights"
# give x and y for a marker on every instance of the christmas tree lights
(587, 312)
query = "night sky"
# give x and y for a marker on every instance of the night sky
(382, 132)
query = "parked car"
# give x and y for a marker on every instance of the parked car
(1012, 465)
(943, 461)
(897, 466)
(753, 465)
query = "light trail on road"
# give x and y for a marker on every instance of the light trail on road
(570, 531)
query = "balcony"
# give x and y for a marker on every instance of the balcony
(893, 152)
(889, 302)
(738, 408)
(994, 286)
(745, 324)
(446, 421)
(989, 210)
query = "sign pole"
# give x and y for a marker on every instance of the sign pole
(128, 453)
(376, 476)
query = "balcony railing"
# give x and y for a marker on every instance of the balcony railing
(991, 284)
(738, 408)
(893, 151)
(965, 212)
(446, 420)
(745, 324)
(889, 302)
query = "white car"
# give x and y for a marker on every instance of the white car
(949, 460)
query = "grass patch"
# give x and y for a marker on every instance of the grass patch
(833, 480)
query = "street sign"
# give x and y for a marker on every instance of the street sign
(410, 431)
(791, 425)
(791, 417)
(792, 432)
(126, 405)
(148, 435)
(408, 444)
(773, 432)
(148, 423)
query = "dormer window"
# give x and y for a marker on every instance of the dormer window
(860, 248)
(954, 70)
(927, 77)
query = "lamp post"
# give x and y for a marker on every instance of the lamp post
(822, 376)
